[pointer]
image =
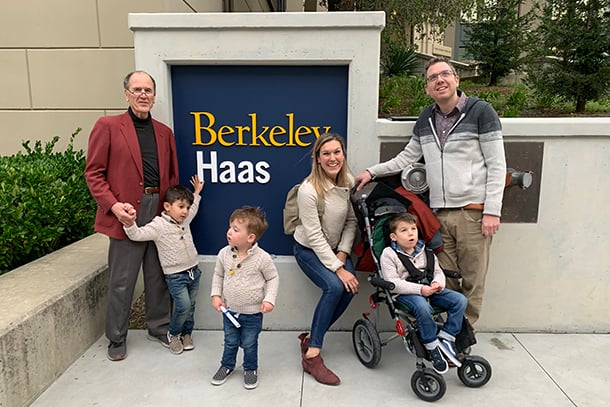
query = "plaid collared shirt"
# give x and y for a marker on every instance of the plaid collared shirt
(444, 122)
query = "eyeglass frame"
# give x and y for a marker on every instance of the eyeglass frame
(138, 92)
(444, 74)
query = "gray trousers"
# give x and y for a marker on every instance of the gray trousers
(124, 260)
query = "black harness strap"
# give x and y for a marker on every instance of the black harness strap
(416, 275)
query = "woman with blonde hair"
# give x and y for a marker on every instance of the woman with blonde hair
(323, 243)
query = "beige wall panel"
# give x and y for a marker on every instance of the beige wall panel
(79, 79)
(27, 125)
(113, 16)
(14, 80)
(44, 23)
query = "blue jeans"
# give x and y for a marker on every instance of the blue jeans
(451, 301)
(334, 299)
(183, 288)
(245, 336)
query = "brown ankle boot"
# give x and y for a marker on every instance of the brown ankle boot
(304, 342)
(315, 367)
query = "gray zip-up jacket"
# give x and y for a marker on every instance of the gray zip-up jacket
(469, 168)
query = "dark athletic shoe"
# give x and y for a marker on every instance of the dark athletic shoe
(221, 376)
(439, 364)
(250, 379)
(117, 351)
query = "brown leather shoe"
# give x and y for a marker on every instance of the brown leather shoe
(304, 342)
(315, 367)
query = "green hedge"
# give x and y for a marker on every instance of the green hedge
(44, 201)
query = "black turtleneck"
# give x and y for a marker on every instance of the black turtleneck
(148, 147)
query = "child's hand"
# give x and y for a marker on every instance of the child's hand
(197, 184)
(437, 286)
(427, 290)
(266, 307)
(217, 303)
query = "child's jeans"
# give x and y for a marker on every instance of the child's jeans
(183, 288)
(451, 301)
(245, 336)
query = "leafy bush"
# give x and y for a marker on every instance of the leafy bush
(398, 60)
(405, 96)
(44, 200)
(402, 96)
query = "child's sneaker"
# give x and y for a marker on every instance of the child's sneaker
(187, 342)
(175, 344)
(221, 376)
(250, 379)
(439, 364)
(448, 349)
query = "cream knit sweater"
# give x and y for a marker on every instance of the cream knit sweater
(244, 284)
(174, 241)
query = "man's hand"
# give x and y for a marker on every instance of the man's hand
(490, 225)
(125, 213)
(362, 179)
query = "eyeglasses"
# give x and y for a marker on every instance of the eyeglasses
(139, 91)
(443, 74)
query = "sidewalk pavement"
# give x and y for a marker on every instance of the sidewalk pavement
(558, 370)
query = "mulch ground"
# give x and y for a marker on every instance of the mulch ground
(137, 317)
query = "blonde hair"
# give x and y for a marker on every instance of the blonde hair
(317, 176)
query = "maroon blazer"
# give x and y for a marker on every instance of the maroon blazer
(114, 168)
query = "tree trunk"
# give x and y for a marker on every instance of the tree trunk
(580, 105)
(493, 79)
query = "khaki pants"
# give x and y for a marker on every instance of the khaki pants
(467, 251)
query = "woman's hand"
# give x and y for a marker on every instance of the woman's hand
(349, 280)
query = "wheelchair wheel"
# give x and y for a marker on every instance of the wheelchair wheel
(475, 371)
(428, 385)
(366, 343)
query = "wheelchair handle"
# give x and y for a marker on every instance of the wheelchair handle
(451, 274)
(381, 283)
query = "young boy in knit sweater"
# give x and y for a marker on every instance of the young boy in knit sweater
(178, 257)
(244, 287)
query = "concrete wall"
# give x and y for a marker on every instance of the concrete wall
(549, 276)
(52, 311)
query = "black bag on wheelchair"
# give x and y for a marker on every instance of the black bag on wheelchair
(465, 338)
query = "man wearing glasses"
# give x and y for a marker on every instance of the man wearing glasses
(460, 139)
(131, 161)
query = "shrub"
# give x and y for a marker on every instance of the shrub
(402, 96)
(44, 200)
(398, 60)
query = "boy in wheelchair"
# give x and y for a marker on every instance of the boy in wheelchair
(420, 285)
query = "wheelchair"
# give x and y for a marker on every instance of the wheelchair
(374, 205)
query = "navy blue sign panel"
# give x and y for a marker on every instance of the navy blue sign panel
(249, 131)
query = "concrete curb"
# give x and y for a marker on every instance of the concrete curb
(52, 311)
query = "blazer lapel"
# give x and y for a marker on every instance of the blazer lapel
(131, 138)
